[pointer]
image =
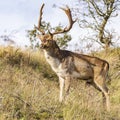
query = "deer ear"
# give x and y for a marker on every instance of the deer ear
(50, 35)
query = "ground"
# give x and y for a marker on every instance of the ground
(29, 89)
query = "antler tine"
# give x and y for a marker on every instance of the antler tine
(68, 13)
(71, 22)
(39, 20)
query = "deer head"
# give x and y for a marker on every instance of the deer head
(47, 39)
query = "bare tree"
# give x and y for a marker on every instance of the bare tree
(8, 37)
(96, 15)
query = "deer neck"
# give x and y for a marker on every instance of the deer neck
(54, 58)
(54, 53)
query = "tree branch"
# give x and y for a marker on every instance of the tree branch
(97, 9)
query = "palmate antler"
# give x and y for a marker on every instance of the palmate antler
(66, 29)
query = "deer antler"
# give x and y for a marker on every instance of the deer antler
(71, 22)
(66, 29)
(39, 21)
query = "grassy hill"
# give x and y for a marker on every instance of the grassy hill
(29, 89)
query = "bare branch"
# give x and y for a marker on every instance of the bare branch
(97, 9)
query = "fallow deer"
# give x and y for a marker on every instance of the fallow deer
(69, 65)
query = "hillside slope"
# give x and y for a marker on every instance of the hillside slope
(29, 89)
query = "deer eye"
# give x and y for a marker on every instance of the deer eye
(44, 41)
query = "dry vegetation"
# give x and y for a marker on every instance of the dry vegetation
(29, 90)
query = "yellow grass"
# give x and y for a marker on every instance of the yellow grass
(29, 89)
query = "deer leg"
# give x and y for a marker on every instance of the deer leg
(61, 81)
(104, 99)
(67, 85)
(100, 83)
(107, 98)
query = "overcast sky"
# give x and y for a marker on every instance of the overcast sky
(17, 16)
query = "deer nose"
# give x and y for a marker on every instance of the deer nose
(41, 46)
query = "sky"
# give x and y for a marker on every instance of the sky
(18, 16)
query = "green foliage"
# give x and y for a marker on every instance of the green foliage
(62, 40)
(31, 34)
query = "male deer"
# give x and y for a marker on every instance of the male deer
(69, 65)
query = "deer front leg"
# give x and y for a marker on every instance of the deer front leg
(61, 81)
(67, 87)
(67, 84)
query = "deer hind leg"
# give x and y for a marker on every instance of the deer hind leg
(100, 83)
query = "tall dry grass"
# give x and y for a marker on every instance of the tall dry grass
(29, 90)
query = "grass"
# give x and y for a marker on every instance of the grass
(29, 89)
